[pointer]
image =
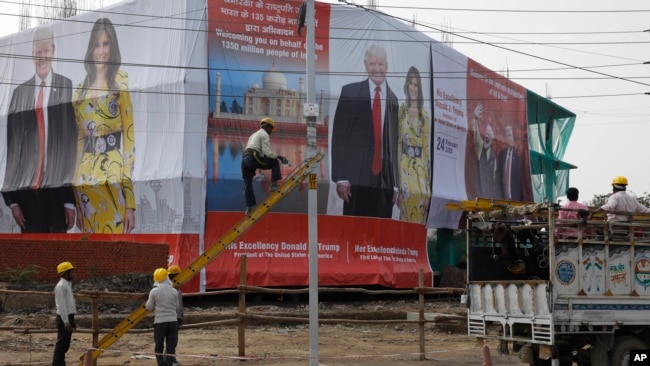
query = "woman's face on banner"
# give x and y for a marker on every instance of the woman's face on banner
(102, 50)
(413, 89)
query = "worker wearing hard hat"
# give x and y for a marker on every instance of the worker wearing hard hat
(66, 309)
(258, 155)
(174, 270)
(620, 201)
(163, 301)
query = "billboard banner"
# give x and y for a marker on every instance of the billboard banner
(277, 252)
(112, 123)
(480, 143)
(103, 116)
(380, 118)
(497, 164)
(257, 70)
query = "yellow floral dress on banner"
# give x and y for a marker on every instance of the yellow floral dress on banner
(103, 186)
(415, 171)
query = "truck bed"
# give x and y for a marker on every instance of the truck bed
(594, 277)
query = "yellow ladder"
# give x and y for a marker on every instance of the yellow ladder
(483, 204)
(291, 182)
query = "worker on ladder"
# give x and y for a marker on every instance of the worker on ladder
(258, 155)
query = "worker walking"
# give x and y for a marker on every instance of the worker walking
(66, 309)
(258, 155)
(173, 270)
(620, 201)
(163, 301)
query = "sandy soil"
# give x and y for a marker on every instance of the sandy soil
(266, 342)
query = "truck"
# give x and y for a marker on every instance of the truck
(557, 291)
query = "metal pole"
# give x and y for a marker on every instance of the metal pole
(312, 198)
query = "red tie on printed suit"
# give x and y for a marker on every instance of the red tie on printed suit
(40, 118)
(376, 125)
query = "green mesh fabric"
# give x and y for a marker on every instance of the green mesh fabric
(549, 130)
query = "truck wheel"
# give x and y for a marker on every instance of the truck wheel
(621, 352)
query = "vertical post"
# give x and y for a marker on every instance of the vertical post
(95, 325)
(421, 312)
(312, 198)
(217, 97)
(241, 330)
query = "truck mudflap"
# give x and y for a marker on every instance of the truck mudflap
(511, 311)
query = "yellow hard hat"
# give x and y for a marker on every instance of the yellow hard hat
(64, 267)
(268, 121)
(620, 180)
(173, 269)
(159, 275)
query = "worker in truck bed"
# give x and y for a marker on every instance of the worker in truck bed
(620, 201)
(573, 210)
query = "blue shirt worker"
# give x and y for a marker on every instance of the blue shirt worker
(66, 308)
(163, 301)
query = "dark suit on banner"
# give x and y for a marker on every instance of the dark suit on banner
(515, 177)
(42, 207)
(353, 148)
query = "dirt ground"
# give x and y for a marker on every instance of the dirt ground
(209, 335)
(265, 344)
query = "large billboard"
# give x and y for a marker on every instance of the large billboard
(480, 140)
(257, 66)
(147, 119)
(103, 116)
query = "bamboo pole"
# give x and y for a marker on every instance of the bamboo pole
(241, 329)
(421, 313)
(95, 322)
